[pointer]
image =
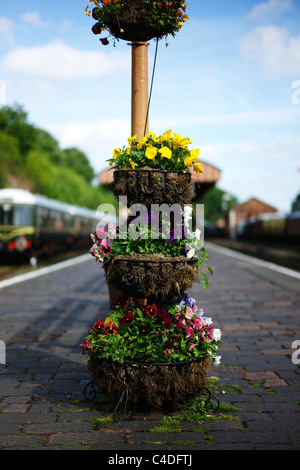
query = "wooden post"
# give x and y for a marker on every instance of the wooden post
(139, 92)
(139, 108)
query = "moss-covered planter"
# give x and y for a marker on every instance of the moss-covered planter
(149, 186)
(145, 385)
(146, 276)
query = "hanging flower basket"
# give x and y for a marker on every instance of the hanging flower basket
(151, 186)
(144, 276)
(138, 20)
(147, 355)
(146, 385)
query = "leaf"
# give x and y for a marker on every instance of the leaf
(210, 269)
(114, 317)
(205, 281)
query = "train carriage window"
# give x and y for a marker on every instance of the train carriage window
(23, 215)
(6, 214)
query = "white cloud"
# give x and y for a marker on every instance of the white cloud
(271, 8)
(96, 138)
(247, 169)
(6, 30)
(33, 18)
(274, 48)
(61, 61)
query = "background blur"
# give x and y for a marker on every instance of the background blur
(230, 80)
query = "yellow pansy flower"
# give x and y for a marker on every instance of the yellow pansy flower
(194, 154)
(166, 136)
(110, 162)
(116, 152)
(188, 161)
(165, 152)
(131, 139)
(185, 142)
(132, 164)
(152, 135)
(128, 150)
(151, 152)
(141, 143)
(198, 168)
(176, 140)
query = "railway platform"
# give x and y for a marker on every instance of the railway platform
(42, 400)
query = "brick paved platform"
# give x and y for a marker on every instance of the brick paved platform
(42, 405)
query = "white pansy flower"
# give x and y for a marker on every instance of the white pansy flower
(217, 360)
(191, 253)
(217, 334)
(197, 234)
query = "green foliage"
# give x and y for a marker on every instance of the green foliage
(35, 156)
(77, 160)
(13, 122)
(151, 334)
(9, 157)
(296, 204)
(216, 201)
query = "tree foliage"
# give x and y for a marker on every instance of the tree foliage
(296, 204)
(35, 156)
(216, 202)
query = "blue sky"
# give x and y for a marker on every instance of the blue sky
(225, 81)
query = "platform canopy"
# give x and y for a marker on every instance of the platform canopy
(202, 182)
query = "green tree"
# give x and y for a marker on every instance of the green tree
(216, 201)
(296, 204)
(78, 161)
(14, 122)
(49, 146)
(10, 162)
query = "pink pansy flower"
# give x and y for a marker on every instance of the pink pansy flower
(86, 346)
(94, 252)
(105, 247)
(100, 233)
(210, 333)
(199, 324)
(192, 346)
(189, 313)
(194, 308)
(189, 332)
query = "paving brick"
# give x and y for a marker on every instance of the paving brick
(41, 387)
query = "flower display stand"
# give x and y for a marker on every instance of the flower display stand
(155, 347)
(156, 318)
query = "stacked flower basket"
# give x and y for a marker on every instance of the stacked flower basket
(156, 346)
